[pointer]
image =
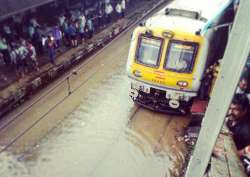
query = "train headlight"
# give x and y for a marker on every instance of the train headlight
(168, 34)
(182, 83)
(137, 73)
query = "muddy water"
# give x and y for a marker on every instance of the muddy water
(98, 139)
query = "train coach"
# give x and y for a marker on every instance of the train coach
(170, 52)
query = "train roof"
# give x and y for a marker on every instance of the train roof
(175, 23)
(191, 15)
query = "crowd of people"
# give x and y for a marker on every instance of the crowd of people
(22, 40)
(238, 119)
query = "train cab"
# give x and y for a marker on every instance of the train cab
(167, 59)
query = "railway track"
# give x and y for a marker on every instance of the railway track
(59, 83)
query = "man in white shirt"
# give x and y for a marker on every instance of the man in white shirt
(118, 9)
(108, 12)
(61, 20)
(123, 4)
(32, 55)
(22, 56)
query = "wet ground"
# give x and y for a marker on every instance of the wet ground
(95, 132)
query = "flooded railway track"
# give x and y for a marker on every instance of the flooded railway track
(36, 120)
(17, 116)
(61, 82)
(149, 136)
(94, 129)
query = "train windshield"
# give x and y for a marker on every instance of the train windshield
(181, 56)
(148, 51)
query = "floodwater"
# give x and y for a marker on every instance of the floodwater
(105, 135)
(97, 139)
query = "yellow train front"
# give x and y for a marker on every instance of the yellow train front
(167, 59)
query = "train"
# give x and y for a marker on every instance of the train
(170, 52)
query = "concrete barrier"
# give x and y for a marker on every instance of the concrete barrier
(227, 162)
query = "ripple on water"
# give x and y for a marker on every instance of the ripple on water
(157, 162)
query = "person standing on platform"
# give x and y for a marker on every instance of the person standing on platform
(108, 12)
(118, 9)
(57, 35)
(51, 46)
(123, 4)
(4, 50)
(32, 56)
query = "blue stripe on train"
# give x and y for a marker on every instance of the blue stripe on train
(210, 22)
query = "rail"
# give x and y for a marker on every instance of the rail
(66, 79)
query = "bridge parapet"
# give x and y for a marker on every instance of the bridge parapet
(226, 163)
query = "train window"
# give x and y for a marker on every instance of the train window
(148, 50)
(180, 56)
